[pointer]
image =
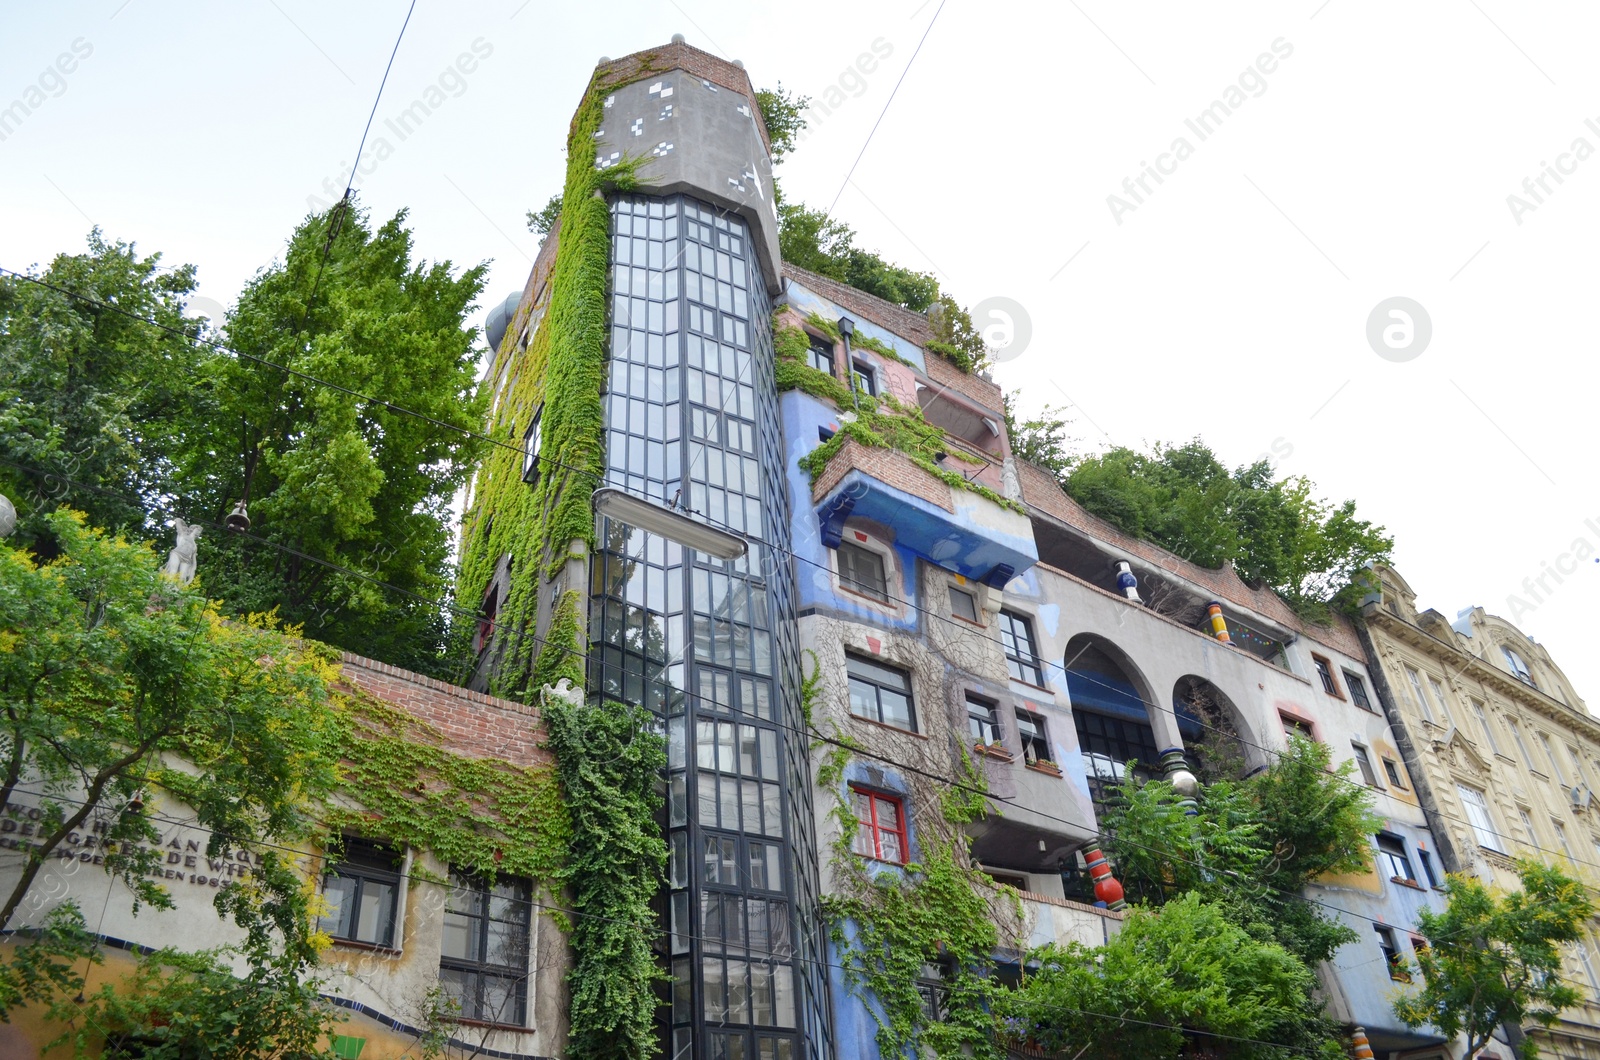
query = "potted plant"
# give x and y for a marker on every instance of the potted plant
(1044, 765)
(993, 749)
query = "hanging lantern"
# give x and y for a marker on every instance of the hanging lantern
(238, 520)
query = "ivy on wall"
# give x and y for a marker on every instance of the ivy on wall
(480, 814)
(882, 422)
(608, 756)
(886, 925)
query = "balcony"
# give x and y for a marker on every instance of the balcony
(975, 534)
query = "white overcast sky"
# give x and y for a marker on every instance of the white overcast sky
(1231, 303)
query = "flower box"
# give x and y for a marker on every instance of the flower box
(994, 750)
(1044, 765)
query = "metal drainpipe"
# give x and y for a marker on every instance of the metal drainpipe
(847, 328)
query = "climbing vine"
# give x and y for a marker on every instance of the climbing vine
(481, 814)
(609, 757)
(883, 423)
(887, 923)
(562, 373)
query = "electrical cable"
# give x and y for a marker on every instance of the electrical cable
(885, 110)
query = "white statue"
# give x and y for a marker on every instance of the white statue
(181, 560)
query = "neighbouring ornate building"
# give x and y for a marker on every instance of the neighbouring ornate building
(1503, 751)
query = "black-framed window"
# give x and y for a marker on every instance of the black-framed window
(934, 991)
(1109, 743)
(1391, 769)
(1392, 858)
(983, 720)
(880, 693)
(1427, 867)
(866, 379)
(486, 617)
(1293, 727)
(1016, 637)
(363, 894)
(1391, 954)
(819, 355)
(864, 571)
(1364, 763)
(1325, 674)
(530, 447)
(1034, 736)
(484, 951)
(1358, 691)
(963, 604)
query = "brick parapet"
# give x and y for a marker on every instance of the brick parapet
(889, 466)
(471, 723)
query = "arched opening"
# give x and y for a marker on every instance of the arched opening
(1209, 723)
(1111, 712)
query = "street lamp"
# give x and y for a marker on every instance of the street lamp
(647, 515)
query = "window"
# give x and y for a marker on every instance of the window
(1549, 752)
(934, 992)
(1519, 669)
(1477, 808)
(1561, 837)
(1391, 954)
(530, 447)
(1587, 961)
(1016, 637)
(1391, 769)
(1293, 727)
(866, 379)
(880, 826)
(1365, 764)
(1439, 696)
(820, 355)
(484, 962)
(1418, 695)
(1358, 691)
(1325, 672)
(862, 570)
(1427, 867)
(1527, 826)
(363, 894)
(983, 721)
(963, 604)
(1483, 722)
(491, 604)
(1577, 765)
(1035, 740)
(880, 693)
(1516, 734)
(1392, 859)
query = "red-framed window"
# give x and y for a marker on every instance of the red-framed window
(880, 826)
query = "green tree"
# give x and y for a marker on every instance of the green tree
(335, 479)
(1274, 531)
(1495, 959)
(1042, 440)
(541, 221)
(1181, 973)
(1252, 847)
(90, 395)
(122, 689)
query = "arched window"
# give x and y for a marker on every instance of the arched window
(1112, 718)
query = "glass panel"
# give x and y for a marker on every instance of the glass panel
(340, 894)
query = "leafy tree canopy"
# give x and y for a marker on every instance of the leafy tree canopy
(1253, 846)
(141, 695)
(89, 394)
(333, 477)
(542, 220)
(1495, 958)
(1183, 972)
(1276, 533)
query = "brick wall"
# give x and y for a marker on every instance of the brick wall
(473, 724)
(889, 466)
(1040, 490)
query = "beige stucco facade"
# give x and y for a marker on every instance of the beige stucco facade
(1504, 753)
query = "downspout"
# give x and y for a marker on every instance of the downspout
(847, 328)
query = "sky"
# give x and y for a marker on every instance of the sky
(1434, 160)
